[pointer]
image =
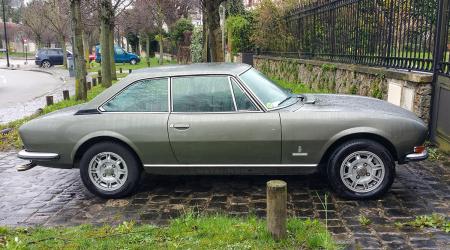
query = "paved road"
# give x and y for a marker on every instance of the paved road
(22, 92)
(51, 197)
(23, 86)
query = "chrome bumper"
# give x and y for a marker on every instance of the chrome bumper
(37, 156)
(417, 156)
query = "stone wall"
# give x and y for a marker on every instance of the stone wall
(410, 90)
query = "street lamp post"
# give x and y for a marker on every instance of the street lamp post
(6, 35)
(25, 46)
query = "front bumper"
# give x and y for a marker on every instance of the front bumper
(417, 156)
(37, 156)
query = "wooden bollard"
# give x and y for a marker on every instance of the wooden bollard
(99, 73)
(129, 71)
(99, 78)
(120, 70)
(49, 100)
(94, 81)
(277, 208)
(66, 95)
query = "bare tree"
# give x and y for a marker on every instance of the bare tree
(56, 15)
(32, 19)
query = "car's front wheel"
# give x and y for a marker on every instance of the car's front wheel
(109, 170)
(133, 61)
(361, 169)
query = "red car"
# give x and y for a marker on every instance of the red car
(92, 57)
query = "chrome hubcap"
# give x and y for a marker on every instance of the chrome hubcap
(362, 171)
(108, 171)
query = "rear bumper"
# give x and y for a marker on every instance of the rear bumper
(37, 156)
(417, 156)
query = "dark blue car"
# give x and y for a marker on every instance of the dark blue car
(120, 55)
(48, 57)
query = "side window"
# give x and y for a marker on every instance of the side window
(149, 95)
(119, 51)
(243, 102)
(202, 94)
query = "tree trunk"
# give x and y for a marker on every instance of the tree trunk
(205, 37)
(215, 32)
(111, 53)
(161, 48)
(147, 47)
(78, 52)
(62, 40)
(104, 42)
(87, 50)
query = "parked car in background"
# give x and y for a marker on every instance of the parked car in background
(92, 57)
(224, 119)
(48, 57)
(120, 55)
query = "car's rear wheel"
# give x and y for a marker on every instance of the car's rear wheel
(46, 64)
(109, 170)
(133, 61)
(361, 169)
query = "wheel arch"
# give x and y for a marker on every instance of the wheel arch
(86, 144)
(360, 135)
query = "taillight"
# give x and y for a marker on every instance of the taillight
(419, 149)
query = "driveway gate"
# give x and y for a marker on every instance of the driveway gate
(440, 123)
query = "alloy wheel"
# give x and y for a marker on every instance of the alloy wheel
(362, 171)
(108, 171)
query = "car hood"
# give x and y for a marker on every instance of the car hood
(354, 103)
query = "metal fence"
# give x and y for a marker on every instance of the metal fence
(388, 33)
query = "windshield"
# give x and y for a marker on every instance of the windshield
(267, 92)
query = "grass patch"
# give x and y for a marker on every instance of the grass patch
(187, 232)
(18, 54)
(364, 221)
(297, 88)
(436, 221)
(154, 61)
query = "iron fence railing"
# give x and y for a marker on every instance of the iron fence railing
(389, 33)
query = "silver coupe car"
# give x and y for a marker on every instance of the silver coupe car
(224, 119)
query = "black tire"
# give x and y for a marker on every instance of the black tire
(132, 164)
(46, 64)
(347, 149)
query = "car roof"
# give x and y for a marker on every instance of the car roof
(170, 71)
(194, 69)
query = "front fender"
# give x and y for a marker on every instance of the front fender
(354, 132)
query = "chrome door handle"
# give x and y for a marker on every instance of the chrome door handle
(180, 126)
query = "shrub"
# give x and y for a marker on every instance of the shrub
(270, 31)
(197, 45)
(240, 30)
(178, 29)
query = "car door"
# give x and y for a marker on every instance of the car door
(119, 55)
(213, 121)
(140, 113)
(54, 57)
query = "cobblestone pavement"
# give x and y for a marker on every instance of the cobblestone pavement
(49, 197)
